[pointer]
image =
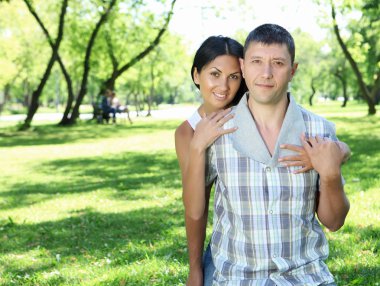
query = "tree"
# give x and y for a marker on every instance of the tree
(55, 46)
(364, 35)
(308, 73)
(118, 68)
(342, 74)
(23, 55)
(86, 69)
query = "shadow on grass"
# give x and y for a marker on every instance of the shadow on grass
(128, 174)
(54, 134)
(90, 238)
(358, 276)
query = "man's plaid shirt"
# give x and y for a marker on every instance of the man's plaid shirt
(265, 228)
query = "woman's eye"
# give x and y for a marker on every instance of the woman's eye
(234, 76)
(215, 74)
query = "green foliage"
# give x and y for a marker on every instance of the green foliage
(363, 40)
(308, 73)
(131, 28)
(23, 55)
(101, 204)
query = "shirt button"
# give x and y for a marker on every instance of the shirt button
(267, 169)
(271, 212)
(274, 255)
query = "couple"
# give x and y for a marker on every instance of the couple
(275, 167)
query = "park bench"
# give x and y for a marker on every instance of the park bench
(102, 116)
(99, 115)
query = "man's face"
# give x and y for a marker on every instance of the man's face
(267, 70)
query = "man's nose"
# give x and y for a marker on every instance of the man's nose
(267, 70)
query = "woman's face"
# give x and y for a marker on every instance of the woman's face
(219, 82)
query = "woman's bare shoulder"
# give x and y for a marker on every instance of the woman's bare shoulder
(184, 131)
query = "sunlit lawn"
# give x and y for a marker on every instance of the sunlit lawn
(101, 204)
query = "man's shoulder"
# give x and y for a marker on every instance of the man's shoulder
(314, 121)
(311, 116)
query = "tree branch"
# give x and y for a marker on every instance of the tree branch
(155, 42)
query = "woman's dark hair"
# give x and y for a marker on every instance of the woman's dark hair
(214, 47)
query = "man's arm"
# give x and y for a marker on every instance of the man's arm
(345, 151)
(333, 204)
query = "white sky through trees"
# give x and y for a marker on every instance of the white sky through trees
(195, 20)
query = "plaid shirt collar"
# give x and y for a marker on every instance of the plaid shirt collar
(292, 127)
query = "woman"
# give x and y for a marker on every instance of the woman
(216, 73)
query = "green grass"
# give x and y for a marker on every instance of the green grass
(101, 204)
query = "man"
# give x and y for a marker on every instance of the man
(265, 228)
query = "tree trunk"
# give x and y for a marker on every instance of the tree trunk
(137, 104)
(342, 79)
(7, 89)
(151, 92)
(37, 93)
(149, 101)
(377, 97)
(70, 93)
(26, 93)
(175, 96)
(345, 96)
(312, 93)
(366, 95)
(110, 82)
(86, 65)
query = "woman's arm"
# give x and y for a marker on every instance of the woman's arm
(191, 148)
(195, 229)
(193, 177)
(196, 234)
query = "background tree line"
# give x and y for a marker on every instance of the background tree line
(66, 53)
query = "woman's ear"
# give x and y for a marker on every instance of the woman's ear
(241, 61)
(196, 76)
